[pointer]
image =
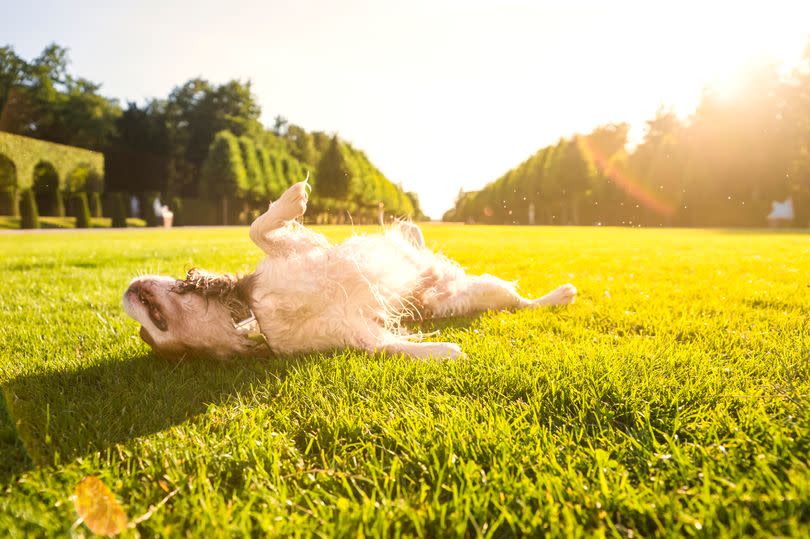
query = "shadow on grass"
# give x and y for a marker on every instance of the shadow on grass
(54, 417)
(441, 324)
(13, 457)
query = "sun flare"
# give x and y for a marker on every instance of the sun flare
(718, 45)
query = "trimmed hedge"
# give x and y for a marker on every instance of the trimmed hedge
(223, 172)
(29, 216)
(81, 210)
(26, 152)
(8, 202)
(96, 209)
(59, 204)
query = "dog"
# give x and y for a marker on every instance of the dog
(307, 295)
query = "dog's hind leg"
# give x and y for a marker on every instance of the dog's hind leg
(422, 350)
(270, 231)
(471, 294)
(562, 295)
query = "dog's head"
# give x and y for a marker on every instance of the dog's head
(203, 315)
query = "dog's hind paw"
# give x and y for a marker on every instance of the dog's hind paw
(426, 350)
(562, 295)
(447, 350)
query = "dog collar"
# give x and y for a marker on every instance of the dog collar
(250, 322)
(251, 326)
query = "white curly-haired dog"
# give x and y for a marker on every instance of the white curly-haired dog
(308, 295)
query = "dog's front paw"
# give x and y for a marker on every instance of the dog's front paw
(292, 204)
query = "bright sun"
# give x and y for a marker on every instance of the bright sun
(719, 42)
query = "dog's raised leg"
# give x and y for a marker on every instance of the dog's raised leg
(266, 230)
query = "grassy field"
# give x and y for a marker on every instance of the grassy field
(671, 399)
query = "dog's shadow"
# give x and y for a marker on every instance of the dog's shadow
(432, 325)
(55, 417)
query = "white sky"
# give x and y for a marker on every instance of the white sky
(441, 95)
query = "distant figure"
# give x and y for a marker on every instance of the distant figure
(531, 213)
(781, 213)
(134, 206)
(381, 213)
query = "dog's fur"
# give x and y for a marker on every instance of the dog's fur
(308, 295)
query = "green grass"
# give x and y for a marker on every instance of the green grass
(671, 399)
(8, 222)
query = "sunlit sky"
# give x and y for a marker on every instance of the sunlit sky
(440, 95)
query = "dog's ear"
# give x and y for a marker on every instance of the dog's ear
(206, 283)
(244, 287)
(231, 291)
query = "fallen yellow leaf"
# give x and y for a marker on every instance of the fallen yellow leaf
(98, 508)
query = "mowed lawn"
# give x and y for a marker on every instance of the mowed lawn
(672, 398)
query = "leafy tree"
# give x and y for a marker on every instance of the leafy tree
(14, 71)
(195, 113)
(417, 210)
(253, 171)
(301, 145)
(139, 157)
(405, 206)
(334, 176)
(279, 125)
(223, 173)
(272, 186)
(51, 104)
(165, 145)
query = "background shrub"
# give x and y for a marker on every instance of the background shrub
(118, 210)
(200, 211)
(29, 216)
(96, 208)
(58, 204)
(8, 201)
(80, 210)
(176, 206)
(147, 201)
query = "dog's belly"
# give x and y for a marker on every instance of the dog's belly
(347, 295)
